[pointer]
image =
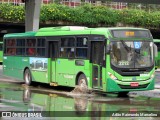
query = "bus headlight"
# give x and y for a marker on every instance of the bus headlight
(112, 76)
(152, 76)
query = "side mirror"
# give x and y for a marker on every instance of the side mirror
(155, 50)
(108, 49)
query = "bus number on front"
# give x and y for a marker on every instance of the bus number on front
(121, 63)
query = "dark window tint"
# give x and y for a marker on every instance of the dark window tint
(82, 42)
(20, 42)
(10, 47)
(11, 42)
(98, 55)
(31, 42)
(81, 52)
(11, 51)
(20, 51)
(40, 51)
(67, 52)
(67, 42)
(31, 47)
(31, 51)
(41, 42)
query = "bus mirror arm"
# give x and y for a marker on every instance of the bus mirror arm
(108, 49)
(155, 50)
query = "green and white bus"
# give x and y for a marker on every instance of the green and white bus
(116, 59)
(157, 59)
(1, 52)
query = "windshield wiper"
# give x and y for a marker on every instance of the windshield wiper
(125, 46)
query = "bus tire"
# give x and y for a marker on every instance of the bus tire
(123, 94)
(82, 83)
(27, 77)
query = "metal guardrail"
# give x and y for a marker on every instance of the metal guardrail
(115, 5)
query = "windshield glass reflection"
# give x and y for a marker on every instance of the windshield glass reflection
(131, 54)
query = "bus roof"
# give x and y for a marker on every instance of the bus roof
(68, 30)
(26, 34)
(73, 30)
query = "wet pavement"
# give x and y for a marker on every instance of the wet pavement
(44, 102)
(157, 83)
(47, 103)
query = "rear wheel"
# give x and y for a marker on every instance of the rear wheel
(27, 77)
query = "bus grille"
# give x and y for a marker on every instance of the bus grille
(130, 87)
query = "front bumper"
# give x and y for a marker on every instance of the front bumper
(118, 86)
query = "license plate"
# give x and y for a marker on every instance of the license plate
(134, 84)
(133, 110)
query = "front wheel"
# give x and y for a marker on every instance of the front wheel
(123, 94)
(82, 83)
(27, 77)
(82, 80)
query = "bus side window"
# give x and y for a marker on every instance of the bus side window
(70, 52)
(81, 53)
(67, 47)
(81, 47)
(41, 47)
(31, 44)
(62, 52)
(11, 50)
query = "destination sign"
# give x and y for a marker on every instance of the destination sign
(131, 33)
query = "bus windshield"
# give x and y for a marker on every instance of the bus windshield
(131, 54)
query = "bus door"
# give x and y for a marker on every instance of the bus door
(53, 51)
(97, 59)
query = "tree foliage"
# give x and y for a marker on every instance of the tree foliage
(87, 15)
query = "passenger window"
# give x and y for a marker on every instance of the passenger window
(82, 41)
(11, 42)
(21, 42)
(67, 52)
(41, 42)
(81, 47)
(40, 51)
(67, 48)
(31, 47)
(20, 51)
(11, 46)
(67, 42)
(31, 42)
(81, 52)
(41, 47)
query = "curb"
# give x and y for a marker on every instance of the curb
(11, 80)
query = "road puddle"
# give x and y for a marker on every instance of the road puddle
(33, 102)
